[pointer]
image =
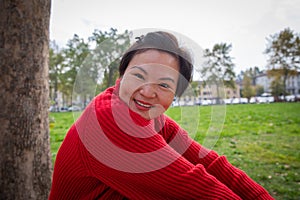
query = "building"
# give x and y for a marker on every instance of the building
(292, 83)
(208, 94)
(211, 92)
(264, 81)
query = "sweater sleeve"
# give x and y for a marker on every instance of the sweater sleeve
(237, 180)
(218, 166)
(123, 150)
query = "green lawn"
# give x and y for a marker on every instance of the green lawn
(261, 139)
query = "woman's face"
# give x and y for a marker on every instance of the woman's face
(149, 83)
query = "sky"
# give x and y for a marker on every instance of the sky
(243, 24)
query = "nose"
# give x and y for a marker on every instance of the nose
(148, 90)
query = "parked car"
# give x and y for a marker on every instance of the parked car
(63, 109)
(253, 100)
(206, 102)
(290, 98)
(175, 103)
(52, 109)
(74, 108)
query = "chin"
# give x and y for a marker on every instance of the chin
(153, 115)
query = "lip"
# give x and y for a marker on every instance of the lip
(141, 105)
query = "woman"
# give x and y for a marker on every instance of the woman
(124, 147)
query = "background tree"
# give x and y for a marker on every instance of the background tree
(75, 55)
(277, 86)
(283, 50)
(248, 88)
(253, 72)
(56, 67)
(219, 67)
(196, 88)
(24, 139)
(110, 46)
(86, 81)
(259, 90)
(77, 69)
(248, 80)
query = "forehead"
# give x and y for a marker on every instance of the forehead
(152, 56)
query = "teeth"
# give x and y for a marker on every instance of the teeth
(144, 105)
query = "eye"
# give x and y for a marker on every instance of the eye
(164, 85)
(140, 76)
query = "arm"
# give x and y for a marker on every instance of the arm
(143, 167)
(237, 180)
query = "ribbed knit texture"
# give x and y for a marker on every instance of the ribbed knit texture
(113, 153)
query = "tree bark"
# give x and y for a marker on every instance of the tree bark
(25, 159)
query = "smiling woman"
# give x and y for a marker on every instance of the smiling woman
(149, 83)
(123, 146)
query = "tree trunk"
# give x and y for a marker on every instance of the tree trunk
(25, 159)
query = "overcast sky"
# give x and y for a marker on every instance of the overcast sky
(244, 24)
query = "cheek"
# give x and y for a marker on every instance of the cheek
(124, 91)
(127, 88)
(166, 101)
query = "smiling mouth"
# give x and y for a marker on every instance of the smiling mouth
(143, 104)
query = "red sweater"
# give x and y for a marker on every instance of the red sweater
(113, 153)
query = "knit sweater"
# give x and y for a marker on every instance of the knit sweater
(110, 152)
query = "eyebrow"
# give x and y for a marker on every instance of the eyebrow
(167, 79)
(145, 72)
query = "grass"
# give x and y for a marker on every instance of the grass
(59, 125)
(261, 139)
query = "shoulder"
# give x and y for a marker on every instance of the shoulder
(103, 100)
(171, 124)
(168, 128)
